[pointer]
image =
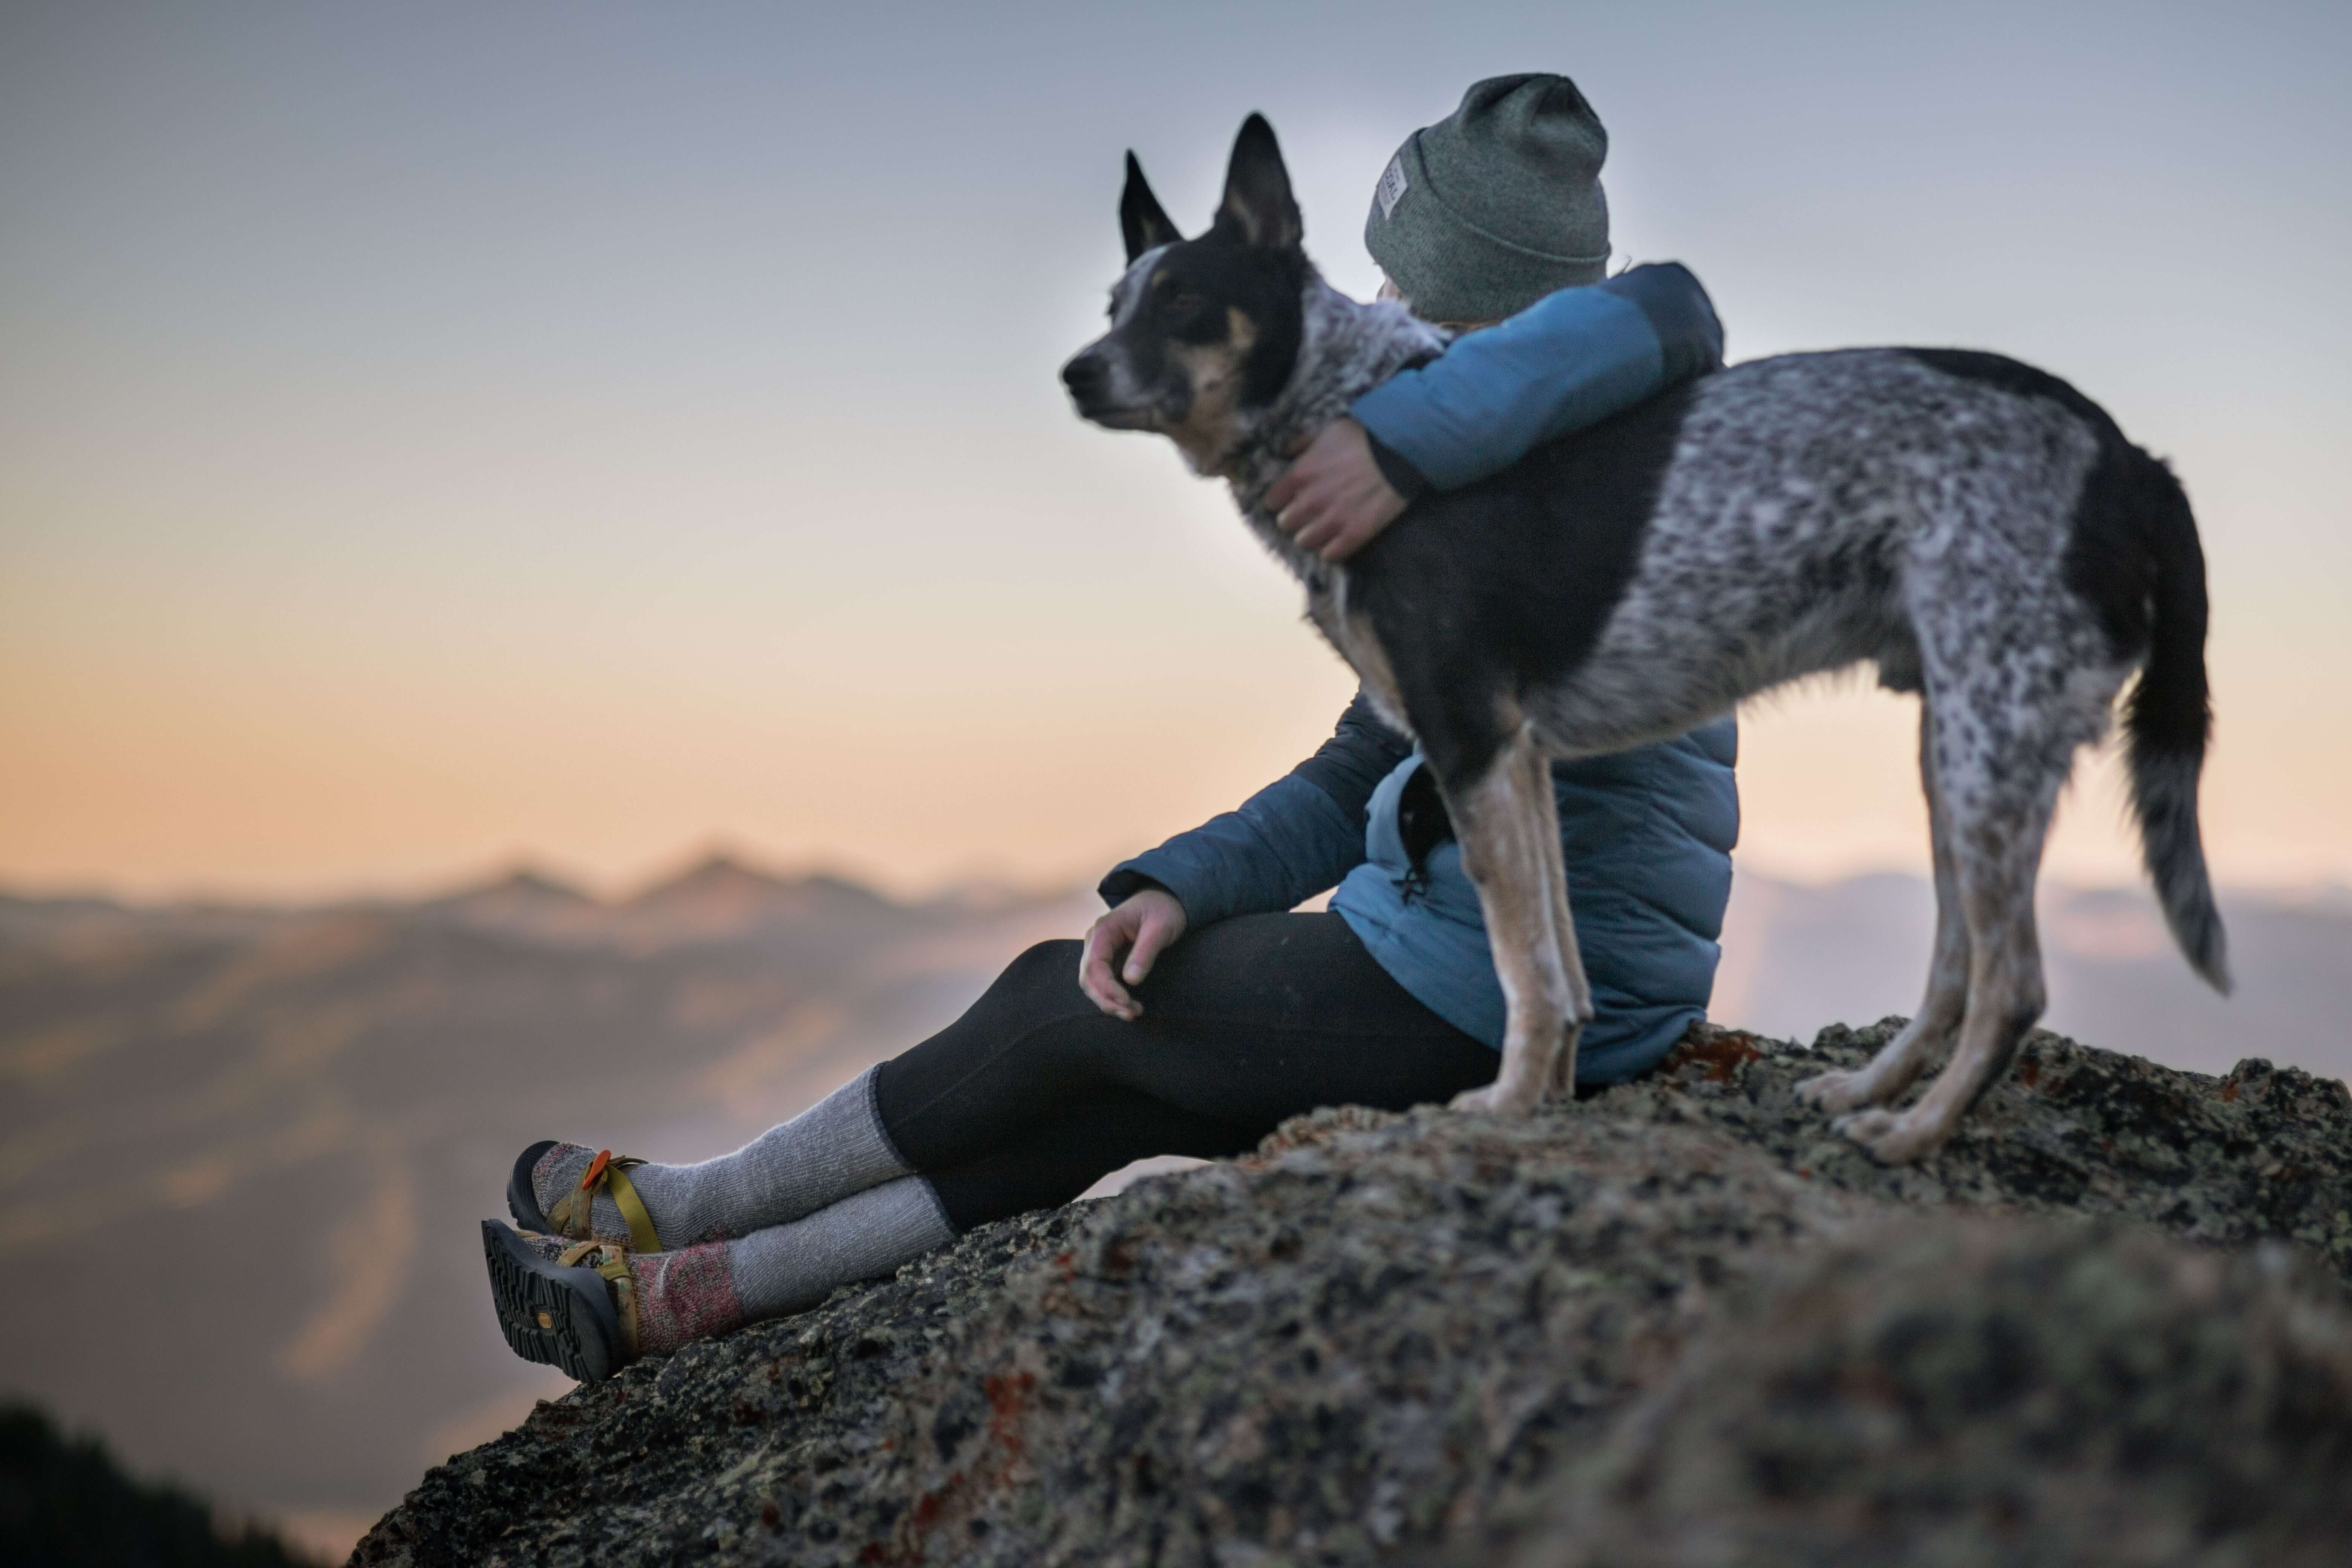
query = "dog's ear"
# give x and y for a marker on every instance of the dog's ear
(1257, 190)
(1141, 220)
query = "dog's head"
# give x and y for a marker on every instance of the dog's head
(1203, 333)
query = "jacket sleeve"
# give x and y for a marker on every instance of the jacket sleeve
(1287, 843)
(1572, 359)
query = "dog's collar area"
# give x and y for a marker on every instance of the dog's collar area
(1346, 349)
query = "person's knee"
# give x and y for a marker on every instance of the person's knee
(1056, 960)
(1045, 977)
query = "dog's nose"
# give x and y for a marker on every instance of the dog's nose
(1086, 377)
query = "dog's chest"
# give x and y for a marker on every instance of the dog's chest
(1351, 633)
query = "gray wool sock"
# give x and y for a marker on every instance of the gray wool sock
(791, 1267)
(833, 1149)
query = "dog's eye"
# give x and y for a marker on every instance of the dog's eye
(1184, 302)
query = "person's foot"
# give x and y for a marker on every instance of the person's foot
(592, 1307)
(556, 1313)
(579, 1193)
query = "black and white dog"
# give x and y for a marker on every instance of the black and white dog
(1979, 531)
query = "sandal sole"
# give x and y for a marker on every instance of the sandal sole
(549, 1314)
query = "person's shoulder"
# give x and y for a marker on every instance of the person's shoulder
(1671, 297)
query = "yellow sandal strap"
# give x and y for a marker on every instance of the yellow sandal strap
(642, 1236)
(612, 1262)
(572, 1213)
(568, 1216)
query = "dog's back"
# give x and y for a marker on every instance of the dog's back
(1965, 522)
(1796, 499)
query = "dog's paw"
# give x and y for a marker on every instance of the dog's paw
(1892, 1139)
(1492, 1100)
(1833, 1091)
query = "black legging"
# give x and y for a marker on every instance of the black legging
(1036, 1093)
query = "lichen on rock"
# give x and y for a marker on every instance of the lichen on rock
(1390, 1335)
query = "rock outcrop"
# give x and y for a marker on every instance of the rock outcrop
(1947, 1392)
(1676, 1322)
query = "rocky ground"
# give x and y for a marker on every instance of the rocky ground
(1674, 1323)
(1951, 1392)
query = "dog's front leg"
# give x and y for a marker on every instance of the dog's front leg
(1564, 927)
(1508, 825)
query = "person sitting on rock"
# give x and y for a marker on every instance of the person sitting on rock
(1202, 1011)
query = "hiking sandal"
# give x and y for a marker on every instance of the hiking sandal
(570, 1214)
(577, 1310)
(521, 1201)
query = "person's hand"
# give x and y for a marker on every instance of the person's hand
(1334, 499)
(1142, 927)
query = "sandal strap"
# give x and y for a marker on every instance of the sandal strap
(572, 1214)
(642, 1236)
(612, 1261)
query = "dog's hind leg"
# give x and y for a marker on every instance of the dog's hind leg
(1900, 1062)
(2000, 758)
(1508, 825)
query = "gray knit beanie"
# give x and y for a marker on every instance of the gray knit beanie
(1496, 206)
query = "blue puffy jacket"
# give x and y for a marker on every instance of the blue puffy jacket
(1647, 833)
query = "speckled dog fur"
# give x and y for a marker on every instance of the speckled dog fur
(1977, 530)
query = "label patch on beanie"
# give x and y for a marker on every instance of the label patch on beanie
(1392, 186)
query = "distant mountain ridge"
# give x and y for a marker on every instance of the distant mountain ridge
(719, 898)
(716, 897)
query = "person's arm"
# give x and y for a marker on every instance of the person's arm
(1289, 841)
(1571, 359)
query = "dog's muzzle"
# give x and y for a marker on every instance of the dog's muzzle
(1093, 384)
(1088, 378)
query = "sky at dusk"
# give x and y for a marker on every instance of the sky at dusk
(434, 437)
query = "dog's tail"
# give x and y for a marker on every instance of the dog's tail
(2168, 719)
